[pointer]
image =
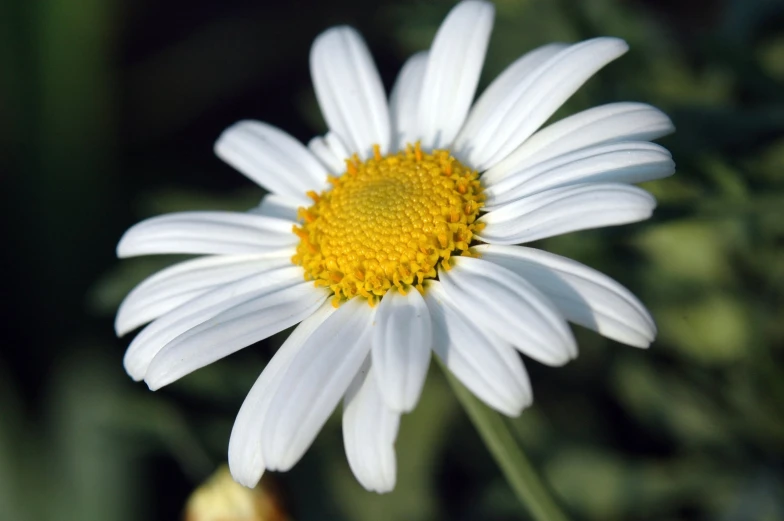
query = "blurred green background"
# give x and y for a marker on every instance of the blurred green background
(108, 113)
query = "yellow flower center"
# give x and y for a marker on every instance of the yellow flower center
(388, 222)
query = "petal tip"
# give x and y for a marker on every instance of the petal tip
(156, 379)
(222, 143)
(124, 249)
(245, 477)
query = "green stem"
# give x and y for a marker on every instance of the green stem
(515, 466)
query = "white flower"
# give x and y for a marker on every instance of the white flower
(412, 230)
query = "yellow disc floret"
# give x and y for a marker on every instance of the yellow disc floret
(388, 222)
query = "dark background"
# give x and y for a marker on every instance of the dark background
(108, 113)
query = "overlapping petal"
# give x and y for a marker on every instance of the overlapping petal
(583, 295)
(402, 337)
(369, 433)
(604, 124)
(315, 381)
(278, 207)
(491, 135)
(156, 335)
(246, 461)
(501, 302)
(487, 365)
(173, 286)
(331, 152)
(624, 162)
(232, 330)
(564, 210)
(502, 86)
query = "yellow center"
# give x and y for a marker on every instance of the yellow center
(388, 222)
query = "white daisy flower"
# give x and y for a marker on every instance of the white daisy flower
(398, 233)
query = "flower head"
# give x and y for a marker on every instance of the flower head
(396, 234)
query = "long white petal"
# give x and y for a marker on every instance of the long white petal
(566, 209)
(205, 233)
(349, 90)
(278, 207)
(610, 123)
(489, 367)
(518, 111)
(233, 329)
(271, 158)
(314, 383)
(625, 162)
(402, 338)
(404, 101)
(584, 295)
(177, 284)
(156, 335)
(501, 302)
(369, 433)
(246, 461)
(452, 73)
(501, 87)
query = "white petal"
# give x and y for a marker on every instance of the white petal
(177, 284)
(404, 101)
(246, 461)
(605, 124)
(488, 366)
(314, 383)
(624, 162)
(271, 158)
(318, 146)
(501, 302)
(582, 294)
(492, 135)
(331, 151)
(402, 338)
(503, 86)
(452, 72)
(156, 335)
(349, 90)
(232, 330)
(278, 207)
(338, 149)
(206, 233)
(567, 209)
(369, 433)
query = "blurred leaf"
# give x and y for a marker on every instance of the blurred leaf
(15, 455)
(713, 330)
(688, 249)
(772, 57)
(571, 470)
(90, 471)
(668, 402)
